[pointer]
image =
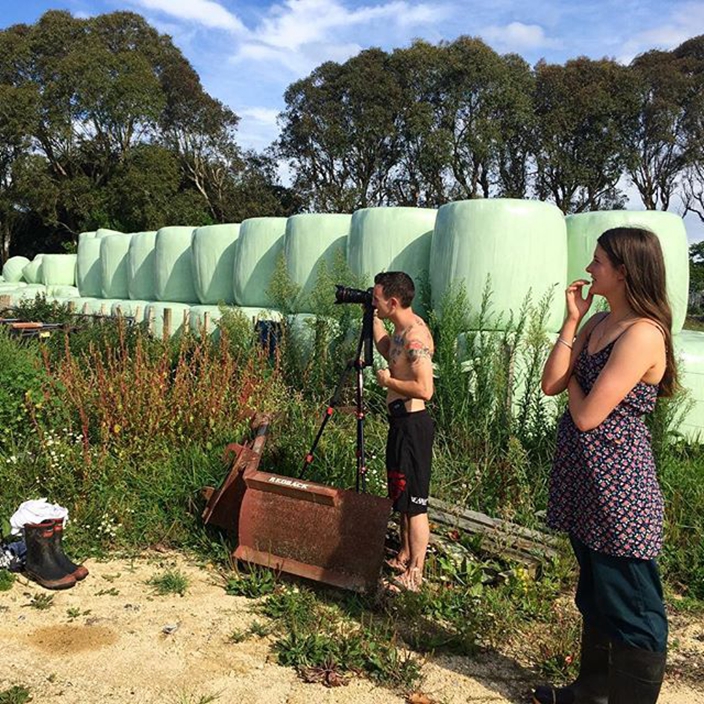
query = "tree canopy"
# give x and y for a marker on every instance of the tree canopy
(104, 123)
(430, 123)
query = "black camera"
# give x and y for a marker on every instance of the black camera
(343, 294)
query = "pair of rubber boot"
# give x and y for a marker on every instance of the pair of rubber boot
(46, 562)
(610, 673)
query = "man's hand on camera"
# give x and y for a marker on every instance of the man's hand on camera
(382, 377)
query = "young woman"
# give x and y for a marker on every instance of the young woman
(604, 491)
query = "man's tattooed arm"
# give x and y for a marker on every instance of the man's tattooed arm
(416, 350)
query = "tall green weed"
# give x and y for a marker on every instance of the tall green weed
(21, 377)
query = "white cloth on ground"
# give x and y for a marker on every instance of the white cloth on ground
(35, 511)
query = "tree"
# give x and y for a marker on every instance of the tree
(422, 176)
(658, 137)
(465, 124)
(584, 110)
(103, 122)
(517, 123)
(474, 100)
(691, 54)
(696, 267)
(340, 133)
(16, 109)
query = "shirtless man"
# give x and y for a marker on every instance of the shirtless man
(409, 384)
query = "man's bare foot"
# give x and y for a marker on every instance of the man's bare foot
(397, 564)
(410, 581)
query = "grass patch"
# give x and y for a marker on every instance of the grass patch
(169, 582)
(322, 642)
(15, 695)
(253, 582)
(41, 602)
(7, 579)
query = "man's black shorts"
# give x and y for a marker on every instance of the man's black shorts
(409, 450)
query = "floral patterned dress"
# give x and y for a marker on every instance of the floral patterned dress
(603, 487)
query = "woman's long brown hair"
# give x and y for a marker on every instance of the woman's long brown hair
(638, 250)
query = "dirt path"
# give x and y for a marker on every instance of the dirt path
(105, 641)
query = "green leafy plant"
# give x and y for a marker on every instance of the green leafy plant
(41, 310)
(21, 378)
(7, 579)
(256, 581)
(41, 602)
(170, 581)
(15, 695)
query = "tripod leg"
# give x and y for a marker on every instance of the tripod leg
(327, 415)
(361, 459)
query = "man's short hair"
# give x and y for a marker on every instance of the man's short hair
(397, 284)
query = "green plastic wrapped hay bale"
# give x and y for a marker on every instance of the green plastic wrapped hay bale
(88, 272)
(515, 361)
(86, 236)
(584, 229)
(173, 262)
(255, 313)
(689, 351)
(130, 309)
(12, 269)
(105, 232)
(312, 238)
(59, 269)
(69, 301)
(5, 286)
(301, 331)
(392, 239)
(156, 316)
(27, 293)
(204, 318)
(98, 306)
(114, 265)
(517, 246)
(62, 291)
(258, 247)
(141, 267)
(32, 272)
(213, 261)
(80, 302)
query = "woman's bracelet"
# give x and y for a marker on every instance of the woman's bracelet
(564, 342)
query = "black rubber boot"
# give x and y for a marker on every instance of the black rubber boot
(636, 675)
(78, 572)
(591, 685)
(41, 565)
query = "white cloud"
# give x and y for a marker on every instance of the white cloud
(684, 22)
(298, 22)
(517, 36)
(266, 116)
(204, 12)
(300, 34)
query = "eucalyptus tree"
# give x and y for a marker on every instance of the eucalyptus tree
(691, 54)
(658, 138)
(117, 130)
(339, 132)
(584, 112)
(515, 115)
(16, 110)
(475, 101)
(423, 174)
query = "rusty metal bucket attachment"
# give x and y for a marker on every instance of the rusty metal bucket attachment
(335, 536)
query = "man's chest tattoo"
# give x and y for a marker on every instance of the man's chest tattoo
(395, 353)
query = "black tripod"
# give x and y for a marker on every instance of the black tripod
(363, 358)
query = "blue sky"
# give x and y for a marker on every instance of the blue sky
(248, 52)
